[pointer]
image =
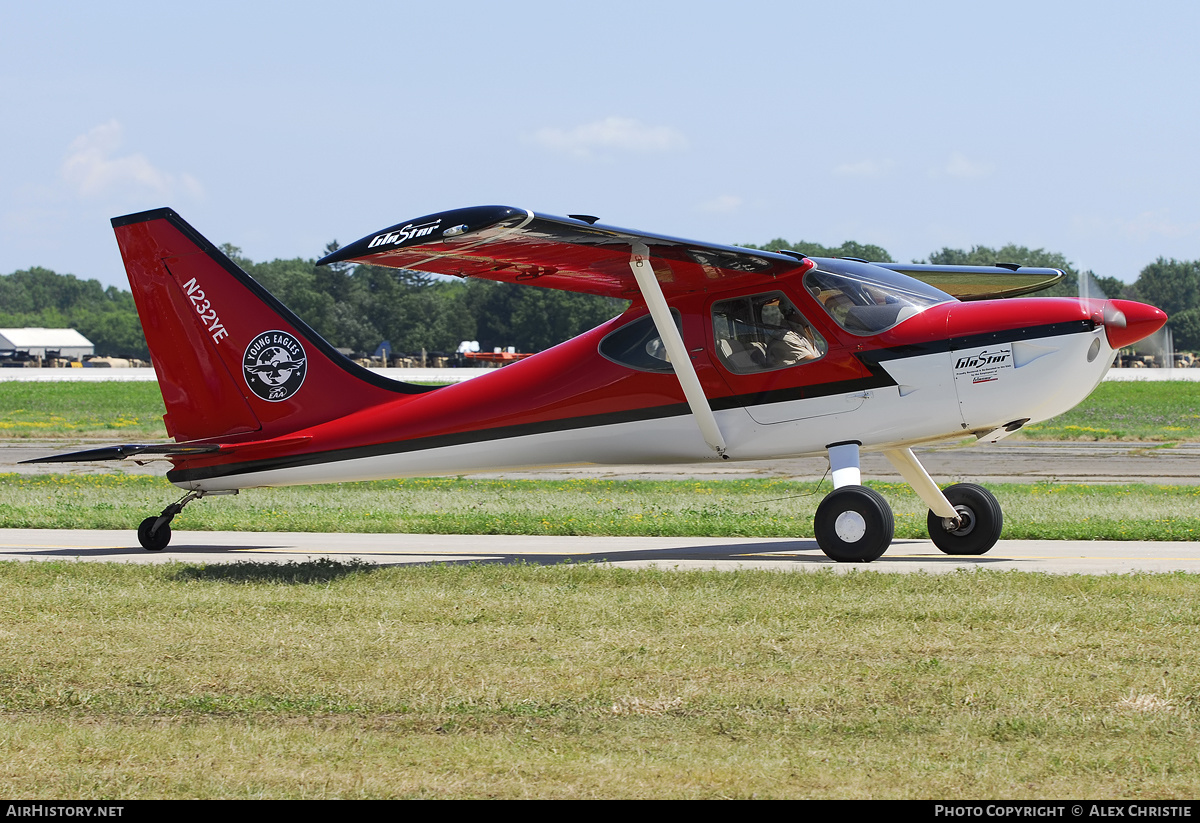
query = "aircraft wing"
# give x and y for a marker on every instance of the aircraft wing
(980, 282)
(568, 253)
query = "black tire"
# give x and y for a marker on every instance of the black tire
(982, 521)
(854, 524)
(154, 542)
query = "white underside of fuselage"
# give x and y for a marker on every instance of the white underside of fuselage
(938, 396)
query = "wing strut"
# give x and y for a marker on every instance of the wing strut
(643, 272)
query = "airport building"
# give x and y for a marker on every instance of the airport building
(33, 344)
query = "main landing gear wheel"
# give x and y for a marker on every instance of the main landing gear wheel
(980, 521)
(154, 540)
(854, 524)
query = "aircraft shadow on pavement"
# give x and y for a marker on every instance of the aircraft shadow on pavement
(138, 551)
(730, 553)
(805, 552)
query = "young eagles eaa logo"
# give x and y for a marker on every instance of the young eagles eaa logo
(274, 365)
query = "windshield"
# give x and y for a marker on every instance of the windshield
(865, 299)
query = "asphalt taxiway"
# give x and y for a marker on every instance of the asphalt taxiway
(781, 554)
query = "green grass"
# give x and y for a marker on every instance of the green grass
(344, 680)
(130, 412)
(338, 680)
(1156, 411)
(731, 508)
(115, 411)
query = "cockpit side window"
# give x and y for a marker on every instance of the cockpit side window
(638, 345)
(763, 332)
(865, 299)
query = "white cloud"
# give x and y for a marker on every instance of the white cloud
(92, 168)
(621, 134)
(1150, 224)
(964, 169)
(721, 204)
(863, 168)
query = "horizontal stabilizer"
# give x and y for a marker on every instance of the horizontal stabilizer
(134, 451)
(127, 452)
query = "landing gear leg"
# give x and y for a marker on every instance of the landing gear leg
(963, 519)
(853, 524)
(154, 533)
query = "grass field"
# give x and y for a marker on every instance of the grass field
(132, 412)
(119, 412)
(719, 508)
(1164, 412)
(331, 680)
(327, 680)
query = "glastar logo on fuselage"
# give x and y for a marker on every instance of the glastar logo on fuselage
(406, 232)
(983, 358)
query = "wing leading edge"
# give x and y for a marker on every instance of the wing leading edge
(577, 254)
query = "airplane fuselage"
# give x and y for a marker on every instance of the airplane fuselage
(952, 370)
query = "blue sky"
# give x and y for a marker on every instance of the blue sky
(280, 126)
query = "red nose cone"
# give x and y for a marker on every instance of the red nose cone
(1126, 322)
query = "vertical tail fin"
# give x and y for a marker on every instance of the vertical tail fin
(231, 359)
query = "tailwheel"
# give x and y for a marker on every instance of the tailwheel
(979, 524)
(854, 524)
(154, 533)
(154, 539)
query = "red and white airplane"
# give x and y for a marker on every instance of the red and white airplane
(724, 353)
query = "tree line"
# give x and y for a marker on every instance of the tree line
(39, 297)
(357, 307)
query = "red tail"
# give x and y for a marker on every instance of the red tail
(230, 358)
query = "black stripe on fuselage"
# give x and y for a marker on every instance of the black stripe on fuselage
(880, 378)
(440, 441)
(973, 341)
(871, 360)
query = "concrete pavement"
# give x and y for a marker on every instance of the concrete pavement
(781, 554)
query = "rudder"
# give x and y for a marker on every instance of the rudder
(231, 359)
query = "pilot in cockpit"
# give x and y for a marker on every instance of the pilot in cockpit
(792, 338)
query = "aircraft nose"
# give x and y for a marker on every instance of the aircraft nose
(1126, 322)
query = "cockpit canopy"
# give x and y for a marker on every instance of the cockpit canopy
(865, 299)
